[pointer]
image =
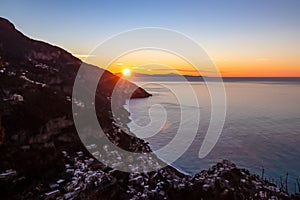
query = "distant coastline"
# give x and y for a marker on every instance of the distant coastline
(176, 77)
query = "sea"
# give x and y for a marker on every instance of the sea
(260, 132)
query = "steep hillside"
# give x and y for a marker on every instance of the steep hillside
(36, 82)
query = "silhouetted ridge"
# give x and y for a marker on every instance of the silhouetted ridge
(5, 24)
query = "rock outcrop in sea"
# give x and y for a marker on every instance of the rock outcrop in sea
(42, 157)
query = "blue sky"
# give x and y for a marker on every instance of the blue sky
(227, 29)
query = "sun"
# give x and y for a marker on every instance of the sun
(126, 72)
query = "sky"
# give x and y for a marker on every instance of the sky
(243, 38)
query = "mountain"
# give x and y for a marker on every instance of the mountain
(138, 77)
(164, 77)
(36, 122)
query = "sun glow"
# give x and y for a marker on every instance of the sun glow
(126, 72)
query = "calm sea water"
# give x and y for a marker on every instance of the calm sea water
(261, 130)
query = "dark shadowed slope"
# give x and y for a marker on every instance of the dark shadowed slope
(36, 82)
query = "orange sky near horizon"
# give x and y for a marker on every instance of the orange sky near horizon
(258, 68)
(161, 62)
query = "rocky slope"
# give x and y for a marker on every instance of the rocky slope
(42, 156)
(36, 81)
